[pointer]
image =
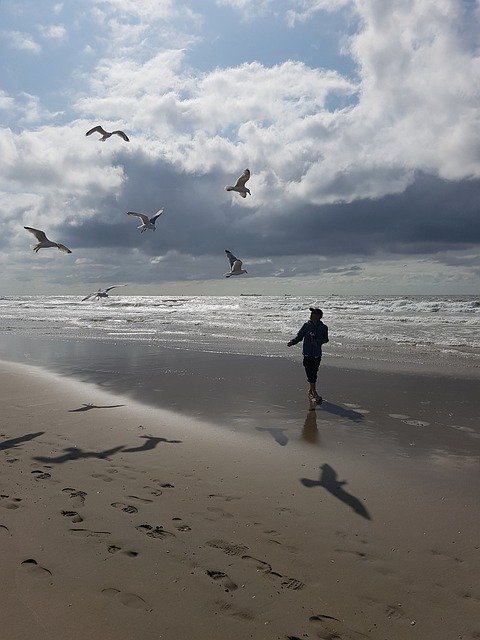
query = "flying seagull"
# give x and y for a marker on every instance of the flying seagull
(235, 265)
(239, 186)
(44, 242)
(102, 293)
(147, 223)
(107, 134)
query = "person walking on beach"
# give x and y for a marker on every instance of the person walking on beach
(313, 333)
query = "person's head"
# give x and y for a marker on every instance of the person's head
(316, 314)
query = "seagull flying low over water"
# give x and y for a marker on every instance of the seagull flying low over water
(147, 223)
(44, 242)
(239, 186)
(102, 293)
(107, 134)
(235, 265)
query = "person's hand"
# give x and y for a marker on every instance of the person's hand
(289, 344)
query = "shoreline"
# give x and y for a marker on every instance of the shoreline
(191, 529)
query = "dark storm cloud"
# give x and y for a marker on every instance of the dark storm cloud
(431, 215)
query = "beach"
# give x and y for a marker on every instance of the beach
(211, 503)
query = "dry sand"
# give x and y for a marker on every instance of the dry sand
(121, 521)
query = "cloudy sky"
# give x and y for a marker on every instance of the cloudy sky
(358, 119)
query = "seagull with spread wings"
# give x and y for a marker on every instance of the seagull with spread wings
(107, 134)
(44, 242)
(147, 223)
(239, 186)
(235, 265)
(102, 293)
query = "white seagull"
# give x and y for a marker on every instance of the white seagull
(239, 186)
(102, 293)
(235, 265)
(107, 134)
(147, 223)
(44, 242)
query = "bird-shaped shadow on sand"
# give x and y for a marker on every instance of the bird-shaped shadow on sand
(15, 442)
(310, 430)
(328, 480)
(74, 453)
(276, 433)
(337, 410)
(151, 443)
(87, 407)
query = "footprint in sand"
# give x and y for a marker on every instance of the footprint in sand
(9, 503)
(153, 491)
(78, 497)
(102, 476)
(125, 598)
(154, 531)
(41, 475)
(128, 508)
(222, 577)
(220, 511)
(165, 485)
(328, 627)
(179, 526)
(266, 569)
(114, 549)
(75, 517)
(32, 567)
(4, 528)
(88, 533)
(231, 549)
(226, 608)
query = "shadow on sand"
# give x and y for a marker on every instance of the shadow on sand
(337, 410)
(75, 453)
(328, 480)
(87, 407)
(276, 433)
(15, 442)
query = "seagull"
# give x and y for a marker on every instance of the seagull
(240, 184)
(44, 242)
(102, 293)
(235, 265)
(147, 223)
(107, 134)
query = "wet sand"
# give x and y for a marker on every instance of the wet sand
(254, 518)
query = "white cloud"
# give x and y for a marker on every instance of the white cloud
(53, 32)
(21, 41)
(6, 102)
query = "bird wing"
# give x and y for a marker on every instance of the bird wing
(231, 258)
(157, 215)
(122, 135)
(142, 216)
(243, 178)
(98, 128)
(63, 248)
(40, 235)
(115, 285)
(89, 296)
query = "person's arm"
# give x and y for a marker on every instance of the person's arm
(325, 338)
(300, 335)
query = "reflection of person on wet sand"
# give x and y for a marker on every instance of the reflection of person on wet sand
(310, 430)
(328, 480)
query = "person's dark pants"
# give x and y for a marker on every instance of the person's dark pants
(311, 364)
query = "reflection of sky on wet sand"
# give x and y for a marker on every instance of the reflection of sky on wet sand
(386, 416)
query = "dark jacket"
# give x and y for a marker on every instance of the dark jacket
(313, 336)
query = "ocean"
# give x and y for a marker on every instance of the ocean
(386, 331)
